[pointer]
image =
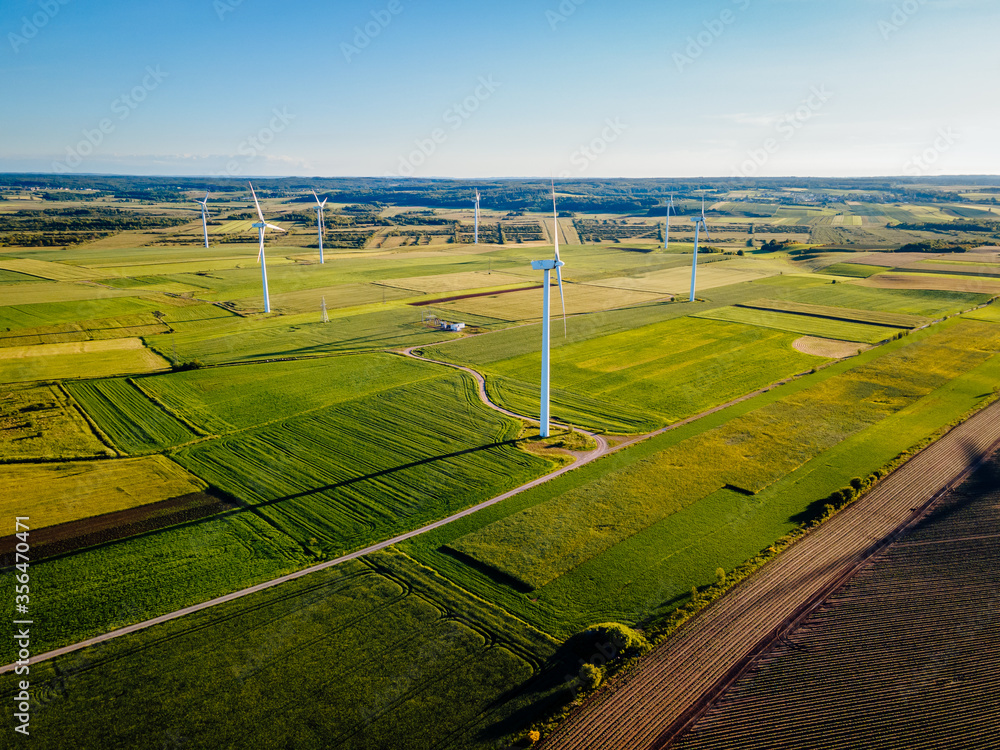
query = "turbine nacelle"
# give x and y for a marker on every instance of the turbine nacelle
(265, 225)
(546, 265)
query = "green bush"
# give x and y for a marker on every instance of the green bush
(622, 639)
(590, 676)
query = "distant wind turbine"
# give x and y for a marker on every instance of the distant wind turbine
(476, 239)
(666, 233)
(320, 223)
(261, 226)
(699, 226)
(204, 216)
(547, 266)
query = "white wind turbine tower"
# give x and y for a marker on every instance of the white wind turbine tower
(547, 266)
(261, 226)
(320, 223)
(204, 216)
(476, 240)
(699, 226)
(666, 233)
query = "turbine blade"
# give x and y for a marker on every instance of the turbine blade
(271, 226)
(562, 297)
(315, 196)
(555, 220)
(256, 203)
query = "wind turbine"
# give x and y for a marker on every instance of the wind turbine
(476, 240)
(204, 216)
(320, 223)
(699, 226)
(547, 266)
(666, 234)
(261, 226)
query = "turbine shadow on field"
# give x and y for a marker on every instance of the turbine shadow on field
(339, 346)
(253, 508)
(383, 473)
(494, 574)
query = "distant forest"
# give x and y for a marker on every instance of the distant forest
(637, 196)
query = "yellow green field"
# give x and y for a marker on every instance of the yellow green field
(457, 282)
(47, 270)
(80, 359)
(74, 347)
(54, 493)
(41, 422)
(678, 280)
(311, 300)
(978, 285)
(527, 304)
(56, 291)
(196, 266)
(990, 313)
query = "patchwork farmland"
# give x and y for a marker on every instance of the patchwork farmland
(344, 511)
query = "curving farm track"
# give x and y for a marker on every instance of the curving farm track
(580, 459)
(652, 705)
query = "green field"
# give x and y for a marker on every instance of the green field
(72, 310)
(91, 359)
(126, 415)
(928, 303)
(527, 304)
(581, 532)
(129, 326)
(602, 380)
(47, 270)
(365, 469)
(222, 400)
(367, 328)
(341, 295)
(41, 422)
(134, 579)
(333, 478)
(526, 340)
(803, 324)
(572, 408)
(60, 492)
(443, 659)
(991, 314)
(13, 277)
(893, 320)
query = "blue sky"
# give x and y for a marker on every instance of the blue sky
(573, 88)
